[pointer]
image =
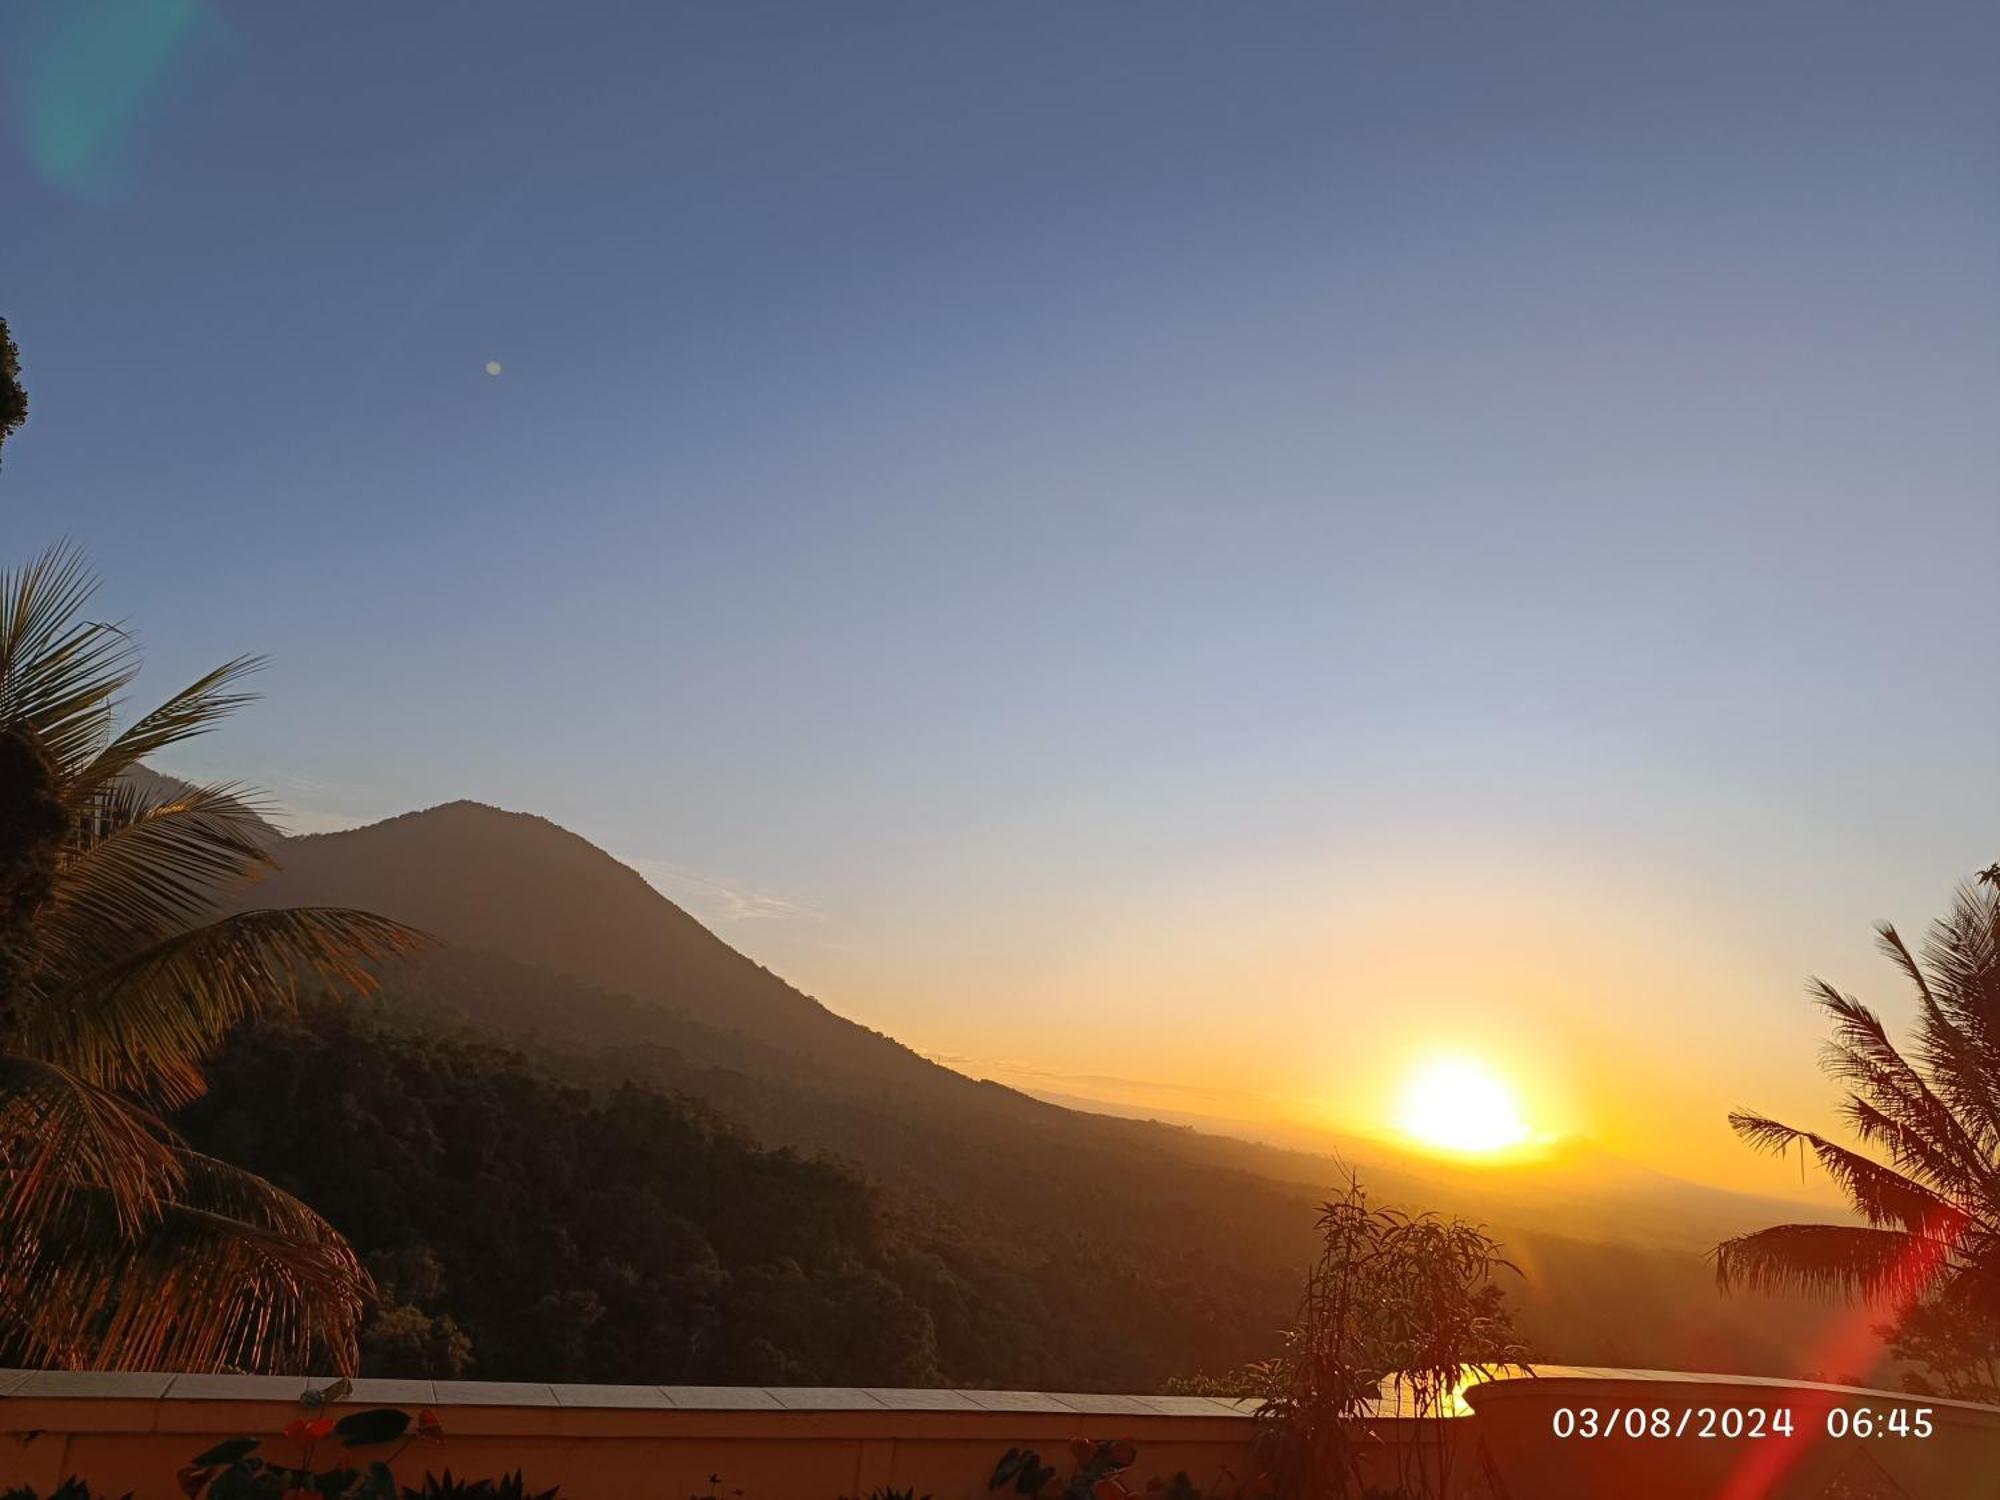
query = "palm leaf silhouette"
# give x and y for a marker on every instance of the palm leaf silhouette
(120, 1247)
(1927, 1183)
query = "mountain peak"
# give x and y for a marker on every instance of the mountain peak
(486, 878)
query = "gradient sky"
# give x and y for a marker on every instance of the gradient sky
(1220, 546)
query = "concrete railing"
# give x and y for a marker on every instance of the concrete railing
(134, 1432)
(1568, 1433)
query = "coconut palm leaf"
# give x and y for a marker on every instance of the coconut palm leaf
(1862, 1053)
(1964, 1069)
(144, 866)
(118, 1247)
(236, 1275)
(1880, 1194)
(1829, 1260)
(1933, 1207)
(194, 710)
(62, 1138)
(60, 674)
(145, 1023)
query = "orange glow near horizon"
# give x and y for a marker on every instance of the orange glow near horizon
(1458, 1105)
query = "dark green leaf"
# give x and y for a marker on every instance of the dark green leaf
(226, 1452)
(1009, 1465)
(365, 1429)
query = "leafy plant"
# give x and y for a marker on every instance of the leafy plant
(13, 398)
(120, 1247)
(1023, 1471)
(1396, 1303)
(507, 1487)
(1956, 1350)
(1098, 1471)
(238, 1469)
(1929, 1196)
(69, 1489)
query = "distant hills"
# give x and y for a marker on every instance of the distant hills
(1154, 1249)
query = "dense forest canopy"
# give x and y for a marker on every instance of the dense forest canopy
(519, 1227)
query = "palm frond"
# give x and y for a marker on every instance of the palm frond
(1886, 1114)
(1889, 942)
(1863, 1054)
(1962, 956)
(1880, 1194)
(1961, 1063)
(146, 865)
(1916, 1157)
(236, 1275)
(59, 674)
(145, 1024)
(63, 1138)
(194, 710)
(1832, 1260)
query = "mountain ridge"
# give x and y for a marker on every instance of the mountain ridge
(550, 940)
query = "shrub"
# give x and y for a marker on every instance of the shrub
(507, 1487)
(238, 1469)
(1099, 1470)
(1395, 1301)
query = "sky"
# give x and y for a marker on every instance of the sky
(1178, 552)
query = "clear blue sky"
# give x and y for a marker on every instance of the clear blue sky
(1059, 524)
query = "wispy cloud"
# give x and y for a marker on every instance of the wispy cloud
(718, 898)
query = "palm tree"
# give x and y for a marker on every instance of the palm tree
(120, 1246)
(1927, 1183)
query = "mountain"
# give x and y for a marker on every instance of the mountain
(481, 878)
(1120, 1250)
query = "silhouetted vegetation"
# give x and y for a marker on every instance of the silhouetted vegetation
(1100, 1469)
(1397, 1305)
(522, 1228)
(507, 1487)
(1928, 1247)
(119, 1247)
(13, 395)
(352, 1457)
(1055, 1249)
(1956, 1350)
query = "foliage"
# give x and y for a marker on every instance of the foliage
(1100, 1469)
(1175, 1266)
(1956, 1349)
(538, 1230)
(120, 1247)
(1397, 1304)
(1931, 1119)
(240, 1468)
(1237, 1385)
(69, 1489)
(506, 1487)
(13, 396)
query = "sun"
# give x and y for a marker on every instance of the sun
(1454, 1104)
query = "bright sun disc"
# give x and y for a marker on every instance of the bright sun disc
(1460, 1106)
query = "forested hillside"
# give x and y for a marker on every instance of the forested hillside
(1050, 1247)
(522, 1227)
(526, 1228)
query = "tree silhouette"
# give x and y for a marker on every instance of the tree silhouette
(13, 395)
(1930, 1193)
(121, 1247)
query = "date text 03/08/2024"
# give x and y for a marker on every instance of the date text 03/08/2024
(1730, 1423)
